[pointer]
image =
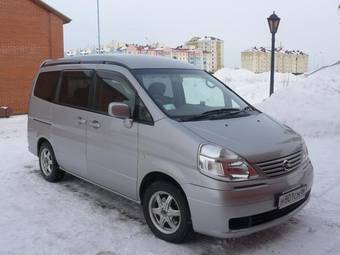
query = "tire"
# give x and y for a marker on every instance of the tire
(48, 164)
(166, 212)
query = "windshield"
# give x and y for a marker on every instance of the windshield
(187, 94)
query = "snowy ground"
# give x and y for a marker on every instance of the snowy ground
(74, 217)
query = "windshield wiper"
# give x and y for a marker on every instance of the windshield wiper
(247, 109)
(207, 114)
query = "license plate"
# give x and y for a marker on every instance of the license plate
(292, 197)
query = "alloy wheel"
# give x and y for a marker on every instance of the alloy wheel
(164, 212)
(46, 161)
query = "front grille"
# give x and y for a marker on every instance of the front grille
(280, 166)
(254, 220)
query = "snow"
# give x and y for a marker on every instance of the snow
(278, 50)
(75, 217)
(254, 88)
(309, 104)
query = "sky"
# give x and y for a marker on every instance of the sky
(312, 26)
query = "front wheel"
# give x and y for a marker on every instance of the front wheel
(167, 212)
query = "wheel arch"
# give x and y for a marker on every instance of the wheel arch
(42, 140)
(157, 176)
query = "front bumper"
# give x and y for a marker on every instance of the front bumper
(215, 212)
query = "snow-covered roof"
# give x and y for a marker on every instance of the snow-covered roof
(278, 50)
(205, 38)
(212, 38)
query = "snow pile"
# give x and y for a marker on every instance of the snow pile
(310, 105)
(253, 87)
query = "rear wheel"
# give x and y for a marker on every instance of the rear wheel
(167, 212)
(48, 164)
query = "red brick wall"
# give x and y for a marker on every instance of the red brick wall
(28, 35)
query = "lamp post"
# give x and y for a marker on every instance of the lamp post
(273, 22)
(98, 17)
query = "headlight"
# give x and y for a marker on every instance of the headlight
(305, 154)
(223, 164)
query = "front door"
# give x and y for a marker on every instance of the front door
(112, 147)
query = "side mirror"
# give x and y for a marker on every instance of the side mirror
(119, 110)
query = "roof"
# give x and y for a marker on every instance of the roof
(52, 10)
(128, 61)
(205, 38)
(278, 50)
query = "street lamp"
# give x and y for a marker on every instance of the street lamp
(273, 22)
(98, 17)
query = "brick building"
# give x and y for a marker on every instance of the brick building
(30, 32)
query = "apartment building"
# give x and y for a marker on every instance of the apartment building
(193, 56)
(180, 54)
(257, 60)
(196, 57)
(211, 45)
(207, 62)
(205, 53)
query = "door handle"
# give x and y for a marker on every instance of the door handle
(81, 121)
(95, 124)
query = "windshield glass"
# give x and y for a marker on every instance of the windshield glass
(186, 94)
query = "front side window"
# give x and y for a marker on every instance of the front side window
(75, 88)
(187, 94)
(46, 84)
(143, 115)
(113, 88)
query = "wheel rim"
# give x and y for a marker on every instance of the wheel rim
(46, 161)
(164, 212)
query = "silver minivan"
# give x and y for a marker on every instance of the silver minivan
(171, 137)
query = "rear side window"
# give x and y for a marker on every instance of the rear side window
(46, 85)
(75, 88)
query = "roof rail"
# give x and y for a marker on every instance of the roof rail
(78, 62)
(44, 62)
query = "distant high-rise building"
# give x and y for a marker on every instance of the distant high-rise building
(257, 60)
(205, 53)
(211, 45)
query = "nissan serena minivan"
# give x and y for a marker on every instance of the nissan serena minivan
(171, 137)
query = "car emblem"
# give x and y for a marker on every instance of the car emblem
(285, 165)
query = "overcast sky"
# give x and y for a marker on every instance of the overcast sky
(308, 25)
